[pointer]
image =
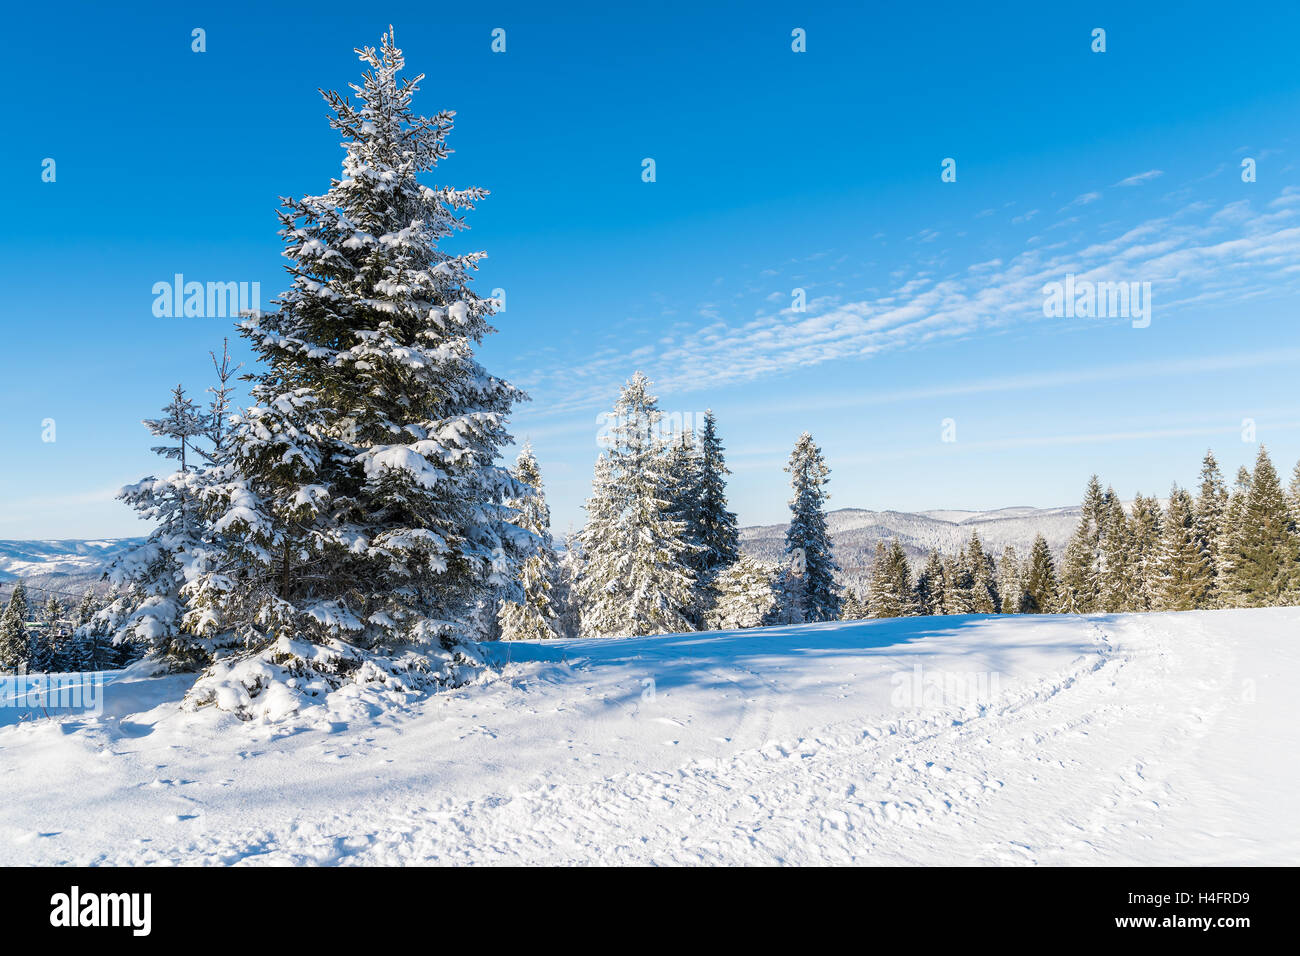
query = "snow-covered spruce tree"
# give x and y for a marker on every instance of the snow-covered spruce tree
(216, 421)
(1011, 588)
(637, 577)
(1144, 556)
(48, 639)
(1041, 593)
(15, 643)
(353, 525)
(1228, 595)
(717, 526)
(1264, 549)
(958, 584)
(86, 609)
(891, 592)
(984, 597)
(1185, 578)
(147, 613)
(807, 541)
(1080, 577)
(789, 593)
(686, 506)
(744, 596)
(533, 615)
(854, 607)
(929, 586)
(1211, 516)
(1116, 582)
(568, 569)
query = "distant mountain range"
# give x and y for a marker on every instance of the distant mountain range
(855, 531)
(71, 565)
(66, 567)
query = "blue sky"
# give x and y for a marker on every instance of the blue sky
(775, 170)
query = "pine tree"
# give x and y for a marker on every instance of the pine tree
(15, 643)
(983, 577)
(1116, 583)
(216, 422)
(1211, 515)
(891, 593)
(717, 526)
(1264, 550)
(533, 617)
(1228, 594)
(181, 423)
(958, 584)
(1144, 554)
(53, 609)
(789, 594)
(1011, 588)
(1041, 593)
(1080, 578)
(86, 609)
(686, 505)
(929, 586)
(1185, 578)
(807, 541)
(565, 598)
(745, 595)
(149, 608)
(355, 524)
(854, 607)
(637, 577)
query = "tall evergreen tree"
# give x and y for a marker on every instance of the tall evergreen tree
(15, 642)
(1264, 550)
(1234, 520)
(929, 586)
(1011, 587)
(891, 593)
(533, 615)
(806, 539)
(565, 598)
(717, 526)
(1080, 577)
(637, 577)
(1185, 579)
(86, 608)
(1041, 594)
(958, 584)
(1211, 515)
(686, 505)
(1145, 537)
(354, 523)
(1116, 582)
(983, 588)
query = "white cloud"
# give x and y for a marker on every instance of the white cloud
(1141, 178)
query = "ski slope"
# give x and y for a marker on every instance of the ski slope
(1132, 739)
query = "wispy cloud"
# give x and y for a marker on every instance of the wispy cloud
(1141, 178)
(1198, 255)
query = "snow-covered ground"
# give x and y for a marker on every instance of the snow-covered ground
(1153, 739)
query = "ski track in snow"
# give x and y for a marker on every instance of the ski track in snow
(1100, 758)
